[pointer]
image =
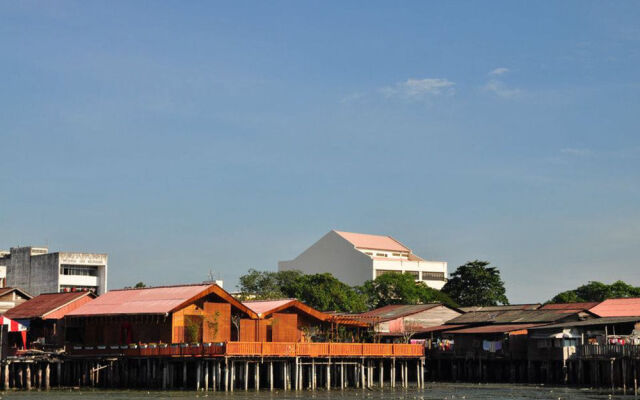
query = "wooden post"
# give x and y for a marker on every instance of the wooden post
(28, 377)
(198, 375)
(271, 376)
(47, 377)
(226, 375)
(256, 378)
(206, 376)
(233, 376)
(328, 370)
(624, 376)
(313, 374)
(611, 376)
(342, 375)
(393, 372)
(296, 380)
(6, 376)
(381, 373)
(246, 375)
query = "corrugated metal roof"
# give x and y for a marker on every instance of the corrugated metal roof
(570, 306)
(512, 316)
(394, 311)
(155, 300)
(593, 322)
(44, 304)
(494, 328)
(629, 307)
(438, 328)
(374, 242)
(265, 306)
(502, 308)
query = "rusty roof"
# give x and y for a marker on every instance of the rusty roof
(628, 307)
(154, 300)
(513, 317)
(394, 311)
(40, 306)
(504, 328)
(570, 306)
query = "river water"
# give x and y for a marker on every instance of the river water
(433, 391)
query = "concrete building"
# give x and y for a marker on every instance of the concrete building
(355, 258)
(37, 271)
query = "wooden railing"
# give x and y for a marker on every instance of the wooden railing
(257, 349)
(608, 351)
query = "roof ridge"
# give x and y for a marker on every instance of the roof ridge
(161, 287)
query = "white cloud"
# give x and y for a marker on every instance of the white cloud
(419, 88)
(573, 151)
(499, 71)
(500, 89)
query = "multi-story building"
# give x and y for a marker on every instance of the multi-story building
(37, 271)
(355, 258)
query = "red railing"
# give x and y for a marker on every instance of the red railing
(272, 349)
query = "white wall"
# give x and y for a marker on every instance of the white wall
(333, 254)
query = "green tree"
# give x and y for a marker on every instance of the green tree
(396, 288)
(597, 291)
(476, 284)
(140, 285)
(321, 291)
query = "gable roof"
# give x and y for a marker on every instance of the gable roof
(7, 290)
(46, 304)
(628, 307)
(154, 300)
(373, 242)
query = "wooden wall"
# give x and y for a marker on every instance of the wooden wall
(212, 321)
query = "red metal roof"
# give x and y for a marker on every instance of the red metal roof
(44, 304)
(570, 306)
(495, 328)
(373, 242)
(629, 307)
(155, 300)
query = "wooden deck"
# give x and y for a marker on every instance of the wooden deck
(254, 349)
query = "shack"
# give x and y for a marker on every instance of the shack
(199, 313)
(44, 315)
(401, 322)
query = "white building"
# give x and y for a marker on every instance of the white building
(37, 271)
(355, 258)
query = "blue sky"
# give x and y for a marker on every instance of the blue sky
(183, 137)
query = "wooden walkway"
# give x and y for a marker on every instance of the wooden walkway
(253, 349)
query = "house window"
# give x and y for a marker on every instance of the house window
(385, 271)
(368, 253)
(415, 274)
(396, 254)
(381, 254)
(432, 276)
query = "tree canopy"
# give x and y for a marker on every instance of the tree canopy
(597, 291)
(396, 288)
(476, 284)
(321, 291)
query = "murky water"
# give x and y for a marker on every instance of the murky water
(434, 391)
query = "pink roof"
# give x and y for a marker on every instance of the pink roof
(374, 242)
(158, 300)
(618, 308)
(264, 306)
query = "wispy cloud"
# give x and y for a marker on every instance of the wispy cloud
(499, 71)
(416, 89)
(578, 152)
(498, 87)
